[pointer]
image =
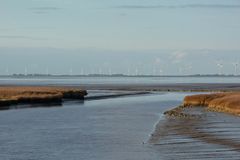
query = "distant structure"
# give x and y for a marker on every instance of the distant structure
(160, 72)
(110, 71)
(154, 71)
(136, 72)
(7, 71)
(25, 71)
(188, 69)
(100, 71)
(92, 71)
(180, 70)
(185, 69)
(235, 64)
(82, 71)
(128, 72)
(70, 71)
(220, 66)
(47, 71)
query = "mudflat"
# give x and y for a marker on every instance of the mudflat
(165, 87)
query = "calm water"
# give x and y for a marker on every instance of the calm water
(127, 128)
(119, 129)
(102, 129)
(115, 80)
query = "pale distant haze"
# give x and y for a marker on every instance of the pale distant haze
(160, 37)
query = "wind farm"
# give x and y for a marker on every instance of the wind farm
(119, 80)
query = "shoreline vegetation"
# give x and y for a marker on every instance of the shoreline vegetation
(34, 95)
(227, 102)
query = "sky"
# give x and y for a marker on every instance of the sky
(127, 36)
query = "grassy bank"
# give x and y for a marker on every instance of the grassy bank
(221, 102)
(30, 95)
(228, 102)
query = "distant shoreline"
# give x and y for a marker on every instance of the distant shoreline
(113, 75)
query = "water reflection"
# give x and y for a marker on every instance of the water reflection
(22, 106)
(42, 105)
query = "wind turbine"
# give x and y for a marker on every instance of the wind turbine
(7, 71)
(128, 72)
(82, 71)
(236, 64)
(154, 71)
(70, 71)
(160, 72)
(188, 69)
(25, 71)
(100, 71)
(220, 66)
(110, 71)
(180, 70)
(47, 71)
(136, 71)
(92, 71)
(158, 66)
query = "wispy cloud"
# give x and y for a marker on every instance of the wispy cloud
(20, 37)
(42, 10)
(217, 6)
(45, 8)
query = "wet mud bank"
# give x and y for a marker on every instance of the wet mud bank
(200, 128)
(197, 133)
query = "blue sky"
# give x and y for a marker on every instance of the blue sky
(144, 28)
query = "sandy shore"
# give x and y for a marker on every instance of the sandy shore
(28, 95)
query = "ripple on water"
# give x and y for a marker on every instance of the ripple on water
(210, 136)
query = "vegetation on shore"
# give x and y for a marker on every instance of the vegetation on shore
(28, 95)
(227, 102)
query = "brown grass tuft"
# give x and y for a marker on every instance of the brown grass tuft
(222, 102)
(13, 95)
